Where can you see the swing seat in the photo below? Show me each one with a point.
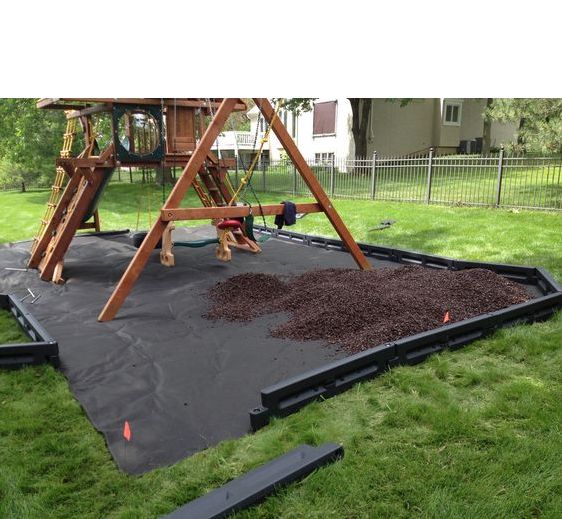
(194, 244)
(139, 237)
(229, 224)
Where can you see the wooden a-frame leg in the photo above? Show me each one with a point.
(312, 182)
(138, 262)
(97, 225)
(166, 254)
(223, 251)
(57, 273)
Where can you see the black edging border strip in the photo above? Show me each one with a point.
(290, 395)
(256, 485)
(42, 348)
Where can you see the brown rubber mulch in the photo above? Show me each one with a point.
(358, 310)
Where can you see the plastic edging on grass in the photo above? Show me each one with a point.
(256, 485)
(290, 395)
(42, 348)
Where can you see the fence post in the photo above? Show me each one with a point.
(429, 175)
(332, 178)
(500, 177)
(294, 180)
(373, 174)
(236, 170)
(263, 175)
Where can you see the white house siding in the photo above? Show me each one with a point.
(341, 144)
(472, 122)
(399, 130)
(394, 130)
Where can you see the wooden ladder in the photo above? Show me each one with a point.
(58, 183)
(66, 219)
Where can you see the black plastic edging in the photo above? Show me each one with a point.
(41, 350)
(290, 395)
(520, 273)
(256, 485)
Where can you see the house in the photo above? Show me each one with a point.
(449, 125)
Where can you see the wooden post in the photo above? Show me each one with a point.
(189, 173)
(312, 182)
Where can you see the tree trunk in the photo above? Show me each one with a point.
(520, 141)
(360, 109)
(487, 130)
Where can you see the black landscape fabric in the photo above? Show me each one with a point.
(181, 381)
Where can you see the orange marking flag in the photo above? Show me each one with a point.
(127, 431)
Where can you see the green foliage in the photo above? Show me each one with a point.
(30, 139)
(540, 122)
(298, 105)
(239, 121)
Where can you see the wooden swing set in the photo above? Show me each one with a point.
(164, 133)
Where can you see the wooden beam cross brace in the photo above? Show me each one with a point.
(171, 209)
(189, 173)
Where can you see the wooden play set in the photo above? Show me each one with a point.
(162, 133)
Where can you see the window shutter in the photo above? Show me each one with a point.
(324, 118)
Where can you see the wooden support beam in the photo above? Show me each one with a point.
(92, 162)
(189, 173)
(53, 103)
(104, 107)
(66, 102)
(312, 182)
(45, 238)
(209, 213)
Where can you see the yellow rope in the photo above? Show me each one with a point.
(247, 177)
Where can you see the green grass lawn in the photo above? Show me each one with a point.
(10, 332)
(474, 433)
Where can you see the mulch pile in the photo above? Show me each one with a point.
(358, 310)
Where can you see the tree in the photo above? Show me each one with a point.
(29, 139)
(539, 119)
(239, 121)
(487, 128)
(361, 110)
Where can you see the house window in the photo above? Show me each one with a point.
(324, 118)
(452, 112)
(323, 159)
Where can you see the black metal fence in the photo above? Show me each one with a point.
(497, 180)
